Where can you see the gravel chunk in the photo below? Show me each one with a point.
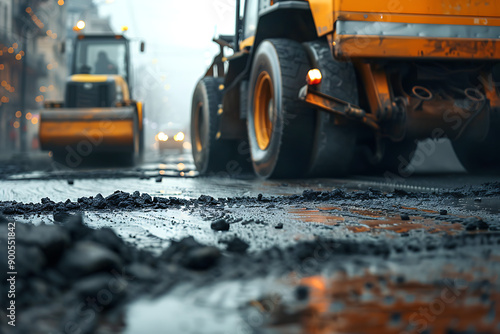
(88, 257)
(220, 225)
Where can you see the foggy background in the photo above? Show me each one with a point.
(34, 67)
(179, 49)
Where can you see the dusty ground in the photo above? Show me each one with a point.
(156, 249)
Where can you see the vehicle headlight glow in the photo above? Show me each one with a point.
(179, 136)
(162, 136)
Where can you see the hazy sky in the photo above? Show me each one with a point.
(179, 47)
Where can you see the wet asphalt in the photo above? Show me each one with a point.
(365, 254)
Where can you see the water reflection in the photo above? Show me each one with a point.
(375, 221)
(385, 304)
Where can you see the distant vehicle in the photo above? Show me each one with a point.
(98, 114)
(172, 137)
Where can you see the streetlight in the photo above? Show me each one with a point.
(80, 25)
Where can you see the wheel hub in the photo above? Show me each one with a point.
(263, 110)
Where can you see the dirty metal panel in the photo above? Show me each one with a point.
(356, 46)
(322, 11)
(326, 12)
(416, 30)
(418, 19)
(422, 7)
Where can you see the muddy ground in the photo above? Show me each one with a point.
(148, 250)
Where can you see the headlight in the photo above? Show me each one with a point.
(161, 137)
(179, 136)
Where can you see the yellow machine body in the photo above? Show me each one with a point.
(459, 29)
(414, 69)
(107, 129)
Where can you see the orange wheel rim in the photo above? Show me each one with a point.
(263, 110)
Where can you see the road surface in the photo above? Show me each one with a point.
(155, 248)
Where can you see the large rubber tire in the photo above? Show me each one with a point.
(280, 129)
(335, 137)
(211, 154)
(395, 158)
(481, 156)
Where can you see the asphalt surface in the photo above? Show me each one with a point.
(157, 249)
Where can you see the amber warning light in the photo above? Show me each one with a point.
(314, 77)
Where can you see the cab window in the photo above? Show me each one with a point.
(101, 57)
(250, 18)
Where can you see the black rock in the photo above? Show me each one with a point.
(471, 227)
(404, 216)
(482, 225)
(178, 248)
(51, 239)
(147, 198)
(117, 197)
(302, 292)
(201, 258)
(159, 179)
(61, 216)
(55, 278)
(495, 228)
(141, 272)
(220, 225)
(236, 245)
(473, 223)
(30, 260)
(99, 202)
(206, 199)
(443, 212)
(108, 238)
(86, 258)
(104, 287)
(75, 226)
(46, 200)
(71, 182)
(279, 226)
(39, 291)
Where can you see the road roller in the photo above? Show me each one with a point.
(98, 115)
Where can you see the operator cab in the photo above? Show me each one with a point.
(100, 72)
(102, 55)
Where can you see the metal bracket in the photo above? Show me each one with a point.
(336, 106)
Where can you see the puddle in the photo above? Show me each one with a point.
(445, 301)
(374, 221)
(490, 205)
(213, 309)
(397, 225)
(409, 307)
(316, 216)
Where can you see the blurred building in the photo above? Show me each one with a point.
(29, 37)
(87, 10)
(7, 75)
(35, 44)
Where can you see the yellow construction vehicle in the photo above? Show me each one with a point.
(98, 114)
(328, 87)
